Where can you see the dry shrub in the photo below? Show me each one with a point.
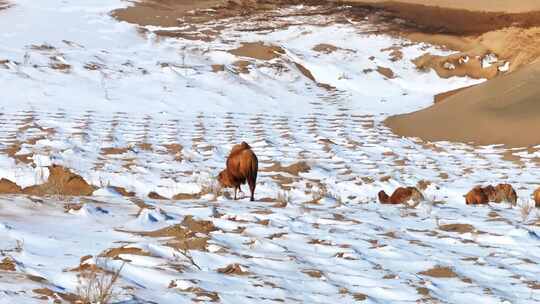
(97, 285)
(525, 209)
(211, 186)
(283, 197)
(318, 194)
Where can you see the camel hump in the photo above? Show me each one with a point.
(245, 145)
(236, 149)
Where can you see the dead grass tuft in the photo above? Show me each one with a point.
(211, 186)
(283, 199)
(97, 286)
(7, 264)
(525, 210)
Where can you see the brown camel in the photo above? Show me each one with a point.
(401, 195)
(242, 166)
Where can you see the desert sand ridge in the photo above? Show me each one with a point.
(506, 6)
(500, 111)
(503, 110)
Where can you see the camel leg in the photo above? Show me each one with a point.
(235, 189)
(251, 183)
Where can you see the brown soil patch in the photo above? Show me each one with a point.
(57, 297)
(305, 72)
(258, 50)
(422, 291)
(161, 12)
(359, 296)
(72, 207)
(325, 48)
(156, 196)
(12, 151)
(175, 150)
(113, 151)
(203, 294)
(395, 53)
(186, 196)
(439, 272)
(9, 187)
(7, 264)
(241, 66)
(386, 72)
(171, 13)
(184, 235)
(503, 110)
(314, 273)
(518, 46)
(216, 68)
(449, 66)
(145, 146)
(114, 253)
(61, 181)
(122, 191)
(294, 169)
(141, 204)
(62, 67)
(459, 228)
(235, 269)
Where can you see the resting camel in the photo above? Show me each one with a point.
(482, 195)
(401, 195)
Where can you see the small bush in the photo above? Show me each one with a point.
(97, 285)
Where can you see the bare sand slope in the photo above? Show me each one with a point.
(460, 16)
(161, 12)
(507, 6)
(503, 110)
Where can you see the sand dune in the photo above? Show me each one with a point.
(460, 17)
(503, 110)
(506, 6)
(500, 111)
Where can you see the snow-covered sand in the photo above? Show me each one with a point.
(146, 113)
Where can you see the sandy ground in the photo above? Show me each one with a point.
(503, 110)
(169, 13)
(472, 5)
(162, 12)
(496, 40)
(517, 45)
(435, 19)
(154, 120)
